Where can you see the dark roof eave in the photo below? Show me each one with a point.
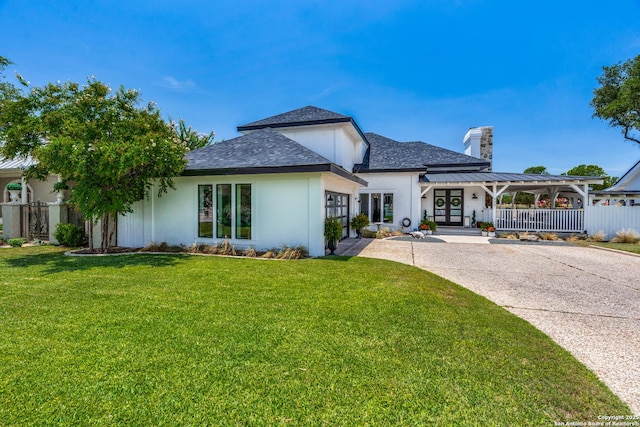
(421, 170)
(457, 165)
(330, 167)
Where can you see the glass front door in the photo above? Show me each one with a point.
(448, 206)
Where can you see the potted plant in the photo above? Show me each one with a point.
(332, 233)
(425, 228)
(473, 218)
(491, 231)
(14, 189)
(484, 226)
(359, 222)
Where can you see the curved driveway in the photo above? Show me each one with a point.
(585, 299)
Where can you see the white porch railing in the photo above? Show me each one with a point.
(556, 220)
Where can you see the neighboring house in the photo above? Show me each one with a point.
(625, 192)
(275, 185)
(32, 190)
(616, 208)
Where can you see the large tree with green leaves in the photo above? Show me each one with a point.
(112, 151)
(537, 170)
(618, 97)
(192, 138)
(593, 170)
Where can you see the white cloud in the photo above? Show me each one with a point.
(173, 83)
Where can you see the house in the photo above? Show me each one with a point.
(276, 183)
(11, 171)
(625, 192)
(615, 208)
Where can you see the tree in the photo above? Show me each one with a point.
(618, 97)
(112, 151)
(537, 170)
(593, 170)
(191, 138)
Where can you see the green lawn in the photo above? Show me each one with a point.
(627, 247)
(193, 340)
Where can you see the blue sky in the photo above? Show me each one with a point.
(407, 69)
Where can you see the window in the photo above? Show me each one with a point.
(223, 211)
(205, 210)
(337, 206)
(232, 210)
(377, 206)
(243, 211)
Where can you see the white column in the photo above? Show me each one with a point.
(24, 194)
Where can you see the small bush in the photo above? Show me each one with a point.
(597, 237)
(16, 242)
(626, 236)
(162, 247)
(70, 235)
(250, 253)
(370, 234)
(359, 222)
(548, 236)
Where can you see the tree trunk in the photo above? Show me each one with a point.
(91, 235)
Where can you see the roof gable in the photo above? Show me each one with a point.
(301, 117)
(629, 181)
(260, 149)
(386, 154)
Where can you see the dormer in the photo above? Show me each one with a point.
(334, 136)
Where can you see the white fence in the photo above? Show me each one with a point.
(556, 220)
(610, 219)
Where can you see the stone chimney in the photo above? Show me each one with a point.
(478, 142)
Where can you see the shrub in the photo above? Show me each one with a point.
(597, 237)
(370, 234)
(332, 229)
(359, 222)
(548, 236)
(70, 235)
(16, 242)
(14, 186)
(626, 236)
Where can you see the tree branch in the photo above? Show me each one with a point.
(628, 137)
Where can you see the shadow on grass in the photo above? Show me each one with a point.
(52, 262)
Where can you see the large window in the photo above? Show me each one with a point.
(223, 211)
(232, 211)
(377, 206)
(205, 210)
(243, 211)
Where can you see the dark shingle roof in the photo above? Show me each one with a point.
(386, 154)
(302, 116)
(263, 148)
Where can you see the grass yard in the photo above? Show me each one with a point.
(627, 247)
(193, 340)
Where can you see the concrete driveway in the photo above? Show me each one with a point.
(585, 299)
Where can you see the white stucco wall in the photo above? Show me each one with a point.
(406, 194)
(287, 209)
(334, 141)
(408, 202)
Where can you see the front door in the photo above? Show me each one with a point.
(447, 206)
